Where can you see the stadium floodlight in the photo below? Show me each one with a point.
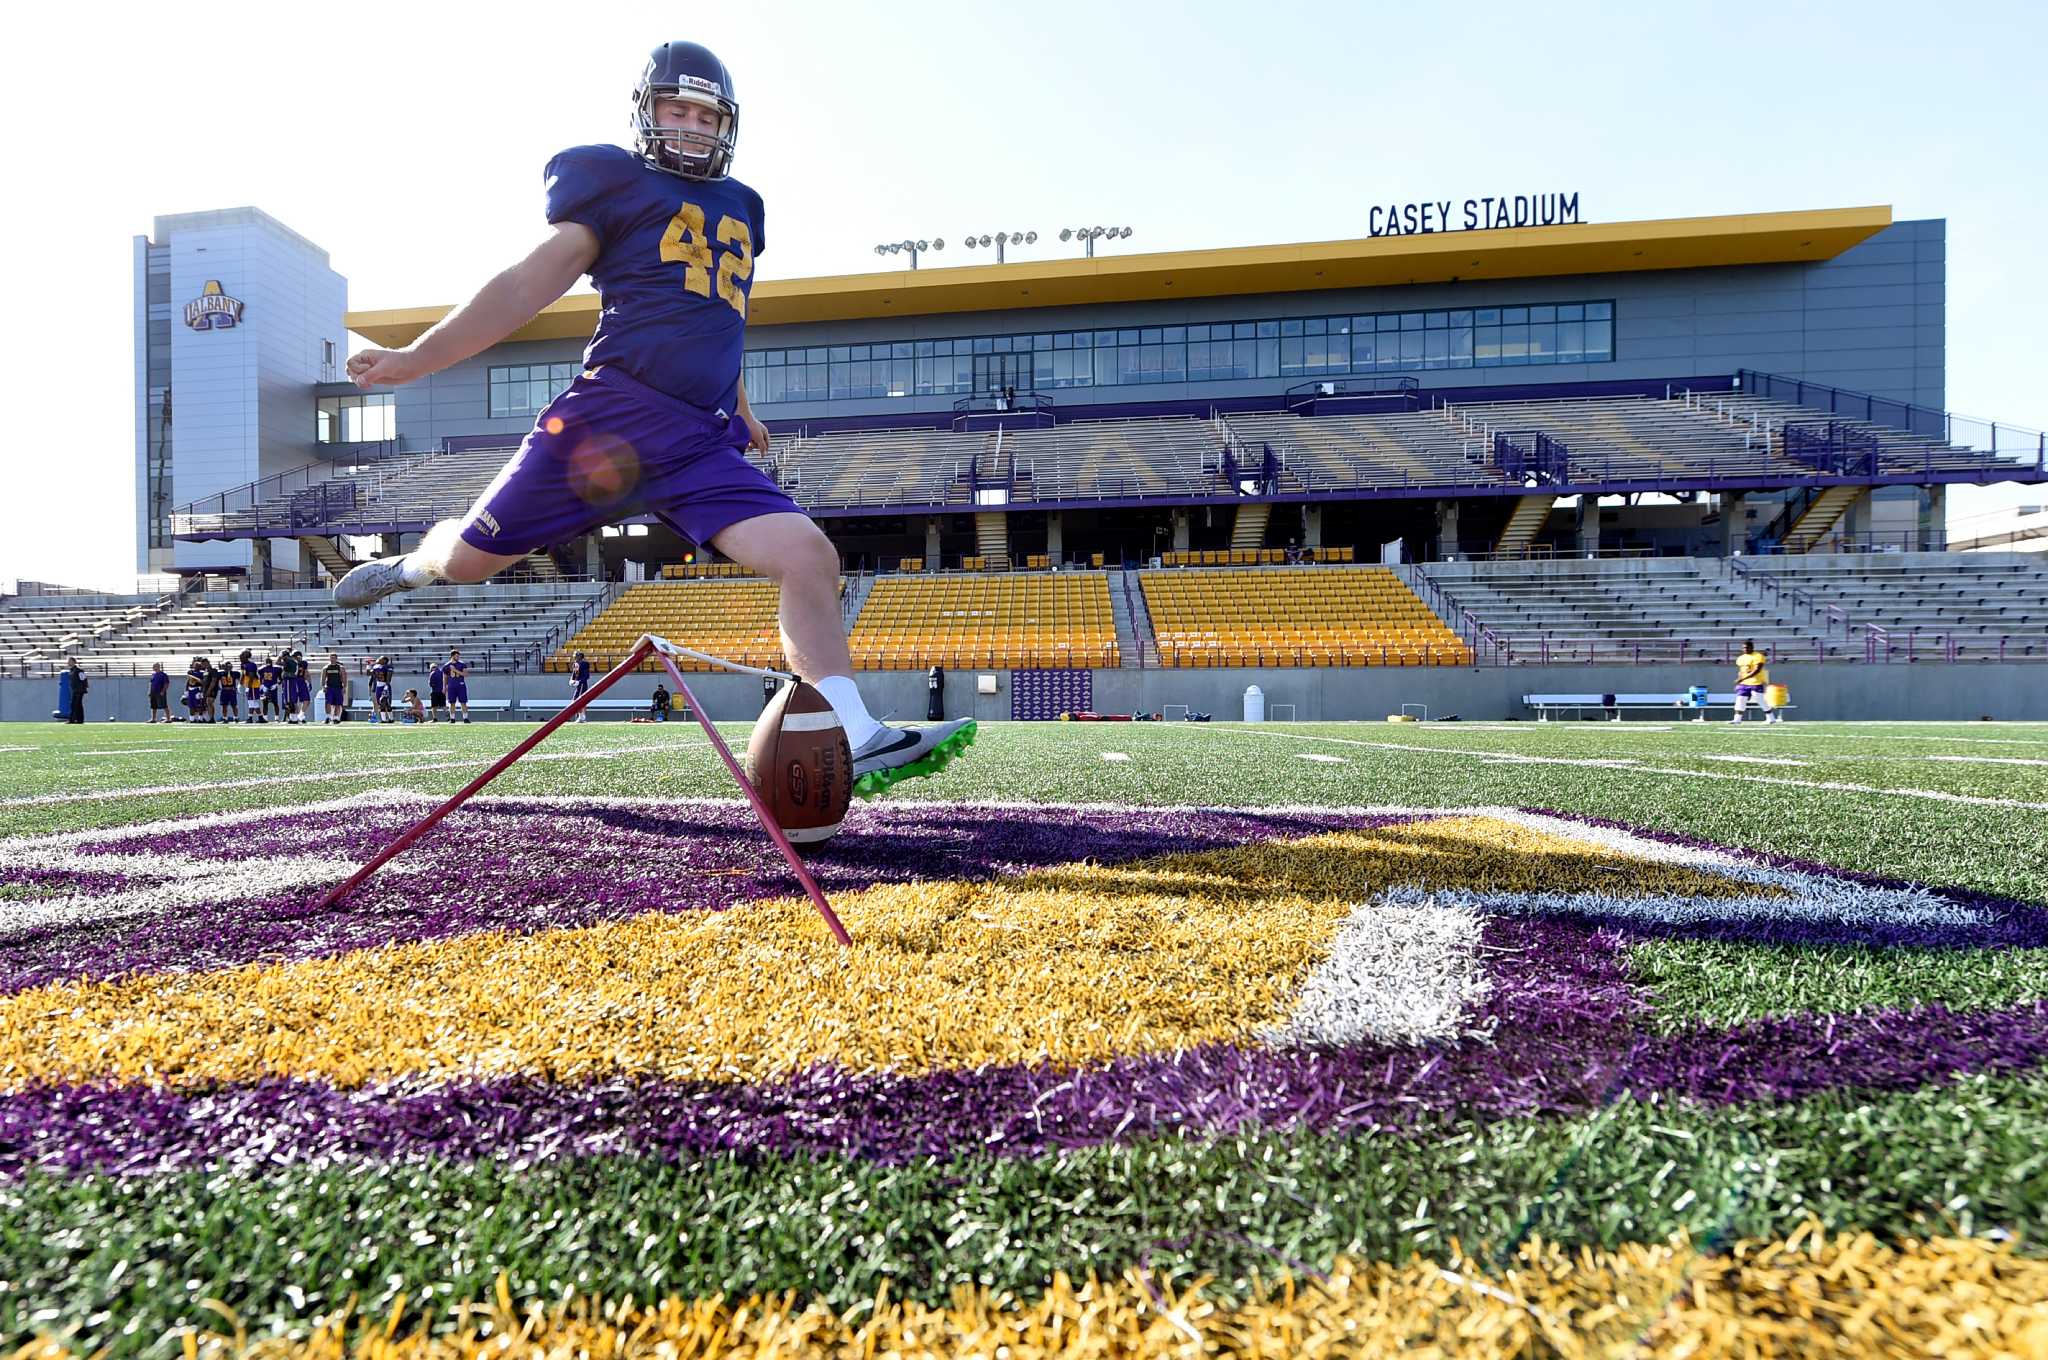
(1089, 235)
(914, 247)
(1001, 240)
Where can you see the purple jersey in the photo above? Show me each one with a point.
(675, 262)
(159, 682)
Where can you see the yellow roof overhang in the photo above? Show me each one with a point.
(1374, 262)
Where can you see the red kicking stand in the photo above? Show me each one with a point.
(667, 651)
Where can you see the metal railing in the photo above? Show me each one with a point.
(1958, 431)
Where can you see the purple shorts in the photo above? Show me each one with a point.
(610, 448)
(1749, 691)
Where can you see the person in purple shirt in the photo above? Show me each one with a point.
(455, 679)
(230, 691)
(581, 675)
(159, 693)
(659, 421)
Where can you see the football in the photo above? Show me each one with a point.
(801, 765)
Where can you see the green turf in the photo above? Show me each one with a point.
(1720, 982)
(1956, 1158)
(1672, 783)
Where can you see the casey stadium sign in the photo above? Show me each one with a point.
(1474, 214)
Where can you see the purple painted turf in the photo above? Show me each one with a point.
(1566, 1026)
(508, 873)
(1567, 1039)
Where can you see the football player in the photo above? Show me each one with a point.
(659, 421)
(1753, 683)
(455, 678)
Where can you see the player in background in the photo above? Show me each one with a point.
(194, 697)
(251, 687)
(581, 683)
(659, 421)
(437, 688)
(455, 678)
(1753, 682)
(230, 689)
(288, 671)
(334, 687)
(159, 693)
(381, 679)
(270, 675)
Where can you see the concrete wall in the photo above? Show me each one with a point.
(1833, 691)
(1871, 320)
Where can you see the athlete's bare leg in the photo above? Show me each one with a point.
(794, 553)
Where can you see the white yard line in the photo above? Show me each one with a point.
(269, 751)
(1987, 760)
(1396, 974)
(20, 748)
(128, 751)
(1505, 758)
(1115, 755)
(1756, 760)
(326, 776)
(1320, 758)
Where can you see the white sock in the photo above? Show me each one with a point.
(416, 573)
(844, 696)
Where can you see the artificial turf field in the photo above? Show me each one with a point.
(1156, 1039)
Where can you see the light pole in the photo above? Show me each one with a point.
(916, 248)
(1089, 234)
(1001, 239)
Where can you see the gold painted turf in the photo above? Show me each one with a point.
(1071, 965)
(1809, 1295)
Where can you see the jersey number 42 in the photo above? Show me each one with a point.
(685, 243)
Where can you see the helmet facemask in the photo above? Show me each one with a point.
(687, 154)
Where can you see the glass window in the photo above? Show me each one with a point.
(1269, 355)
(1391, 321)
(1148, 336)
(942, 347)
(924, 349)
(1269, 330)
(1542, 340)
(1063, 341)
(1290, 328)
(1435, 321)
(1599, 338)
(1002, 345)
(1198, 332)
(1571, 340)
(1572, 312)
(1487, 316)
(1105, 366)
(1243, 360)
(1542, 314)
(1105, 338)
(1463, 318)
(1173, 335)
(840, 354)
(1173, 367)
(1290, 356)
(1436, 352)
(1486, 346)
(1315, 325)
(1599, 311)
(1084, 339)
(1513, 316)
(1461, 345)
(984, 345)
(1411, 321)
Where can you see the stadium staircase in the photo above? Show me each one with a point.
(1127, 612)
(327, 552)
(1249, 528)
(1527, 520)
(992, 539)
(856, 595)
(1820, 516)
(540, 565)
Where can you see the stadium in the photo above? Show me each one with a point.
(1467, 981)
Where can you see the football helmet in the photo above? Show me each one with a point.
(686, 70)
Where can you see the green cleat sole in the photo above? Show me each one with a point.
(877, 782)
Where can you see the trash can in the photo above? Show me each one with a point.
(1254, 704)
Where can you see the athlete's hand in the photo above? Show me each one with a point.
(382, 368)
(757, 433)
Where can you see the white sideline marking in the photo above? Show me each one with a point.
(1989, 760)
(127, 751)
(1766, 760)
(1114, 755)
(270, 751)
(187, 883)
(1806, 733)
(20, 748)
(1320, 758)
(323, 776)
(1495, 757)
(410, 755)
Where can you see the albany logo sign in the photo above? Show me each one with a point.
(213, 310)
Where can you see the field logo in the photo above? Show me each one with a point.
(212, 309)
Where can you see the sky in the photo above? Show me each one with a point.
(408, 142)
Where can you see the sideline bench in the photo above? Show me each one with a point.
(499, 706)
(1559, 704)
(612, 705)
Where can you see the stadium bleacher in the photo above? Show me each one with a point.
(1287, 616)
(735, 619)
(40, 632)
(1056, 620)
(1804, 608)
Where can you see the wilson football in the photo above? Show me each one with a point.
(800, 763)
